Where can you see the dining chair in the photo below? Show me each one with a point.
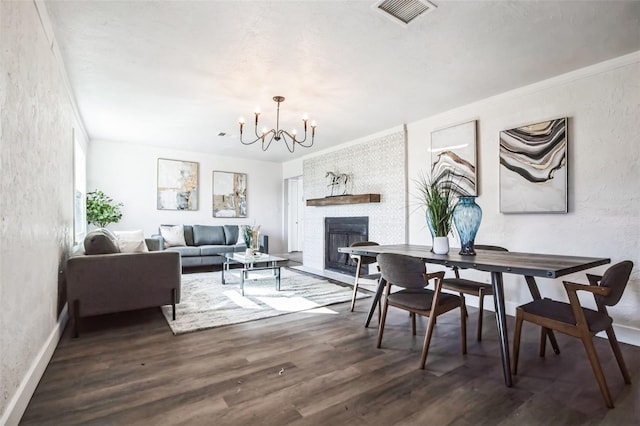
(475, 288)
(363, 261)
(410, 274)
(574, 320)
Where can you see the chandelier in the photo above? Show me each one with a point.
(267, 136)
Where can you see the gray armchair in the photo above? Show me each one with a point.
(117, 282)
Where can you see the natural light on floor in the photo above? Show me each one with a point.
(294, 304)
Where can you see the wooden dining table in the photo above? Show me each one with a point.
(529, 265)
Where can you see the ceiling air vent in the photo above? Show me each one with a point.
(404, 11)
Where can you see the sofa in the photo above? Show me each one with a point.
(101, 279)
(200, 245)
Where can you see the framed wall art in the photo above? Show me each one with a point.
(229, 194)
(177, 185)
(533, 168)
(453, 157)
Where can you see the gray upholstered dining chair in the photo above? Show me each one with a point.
(475, 288)
(574, 320)
(411, 275)
(360, 262)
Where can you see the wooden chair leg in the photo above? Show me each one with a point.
(381, 325)
(597, 369)
(427, 339)
(413, 323)
(464, 303)
(613, 341)
(481, 312)
(543, 342)
(355, 284)
(463, 328)
(516, 343)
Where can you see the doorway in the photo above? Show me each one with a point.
(295, 215)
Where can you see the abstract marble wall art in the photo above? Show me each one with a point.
(453, 157)
(177, 185)
(533, 168)
(229, 194)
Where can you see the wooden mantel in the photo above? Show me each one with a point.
(344, 199)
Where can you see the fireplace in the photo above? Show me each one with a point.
(342, 232)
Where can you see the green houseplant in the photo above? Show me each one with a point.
(102, 210)
(439, 202)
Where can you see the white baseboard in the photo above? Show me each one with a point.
(20, 400)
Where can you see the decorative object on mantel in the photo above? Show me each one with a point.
(533, 168)
(337, 180)
(344, 199)
(289, 138)
(467, 217)
(438, 199)
(229, 194)
(453, 153)
(177, 185)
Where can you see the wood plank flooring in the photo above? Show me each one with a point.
(320, 369)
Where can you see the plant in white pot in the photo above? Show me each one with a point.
(439, 202)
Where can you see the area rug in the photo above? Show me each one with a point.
(206, 303)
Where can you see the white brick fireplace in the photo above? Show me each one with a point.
(375, 166)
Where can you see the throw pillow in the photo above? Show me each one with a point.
(101, 241)
(173, 235)
(208, 235)
(131, 241)
(231, 234)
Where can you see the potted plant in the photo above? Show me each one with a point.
(439, 201)
(101, 209)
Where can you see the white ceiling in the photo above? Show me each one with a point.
(175, 74)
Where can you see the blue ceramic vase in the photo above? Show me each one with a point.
(467, 217)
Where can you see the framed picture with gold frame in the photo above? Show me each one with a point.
(177, 185)
(229, 194)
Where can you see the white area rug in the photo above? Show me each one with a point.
(206, 303)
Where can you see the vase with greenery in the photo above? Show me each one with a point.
(251, 236)
(102, 210)
(439, 202)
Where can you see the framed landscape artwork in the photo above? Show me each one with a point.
(453, 157)
(533, 168)
(177, 185)
(229, 194)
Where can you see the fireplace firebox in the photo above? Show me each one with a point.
(342, 232)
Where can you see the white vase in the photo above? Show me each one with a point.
(441, 245)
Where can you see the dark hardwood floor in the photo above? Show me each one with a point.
(320, 369)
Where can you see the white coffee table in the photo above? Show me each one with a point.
(249, 269)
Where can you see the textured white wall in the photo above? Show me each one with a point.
(603, 106)
(37, 197)
(376, 166)
(128, 174)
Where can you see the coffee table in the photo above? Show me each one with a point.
(249, 269)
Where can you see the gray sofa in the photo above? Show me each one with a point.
(100, 280)
(207, 244)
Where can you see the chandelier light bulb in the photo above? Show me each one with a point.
(241, 120)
